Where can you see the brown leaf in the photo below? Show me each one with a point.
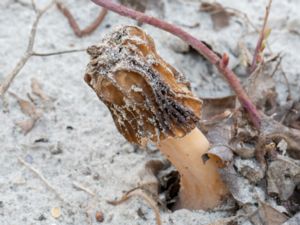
(142, 6)
(268, 215)
(26, 125)
(37, 90)
(214, 107)
(222, 154)
(283, 175)
(27, 107)
(219, 15)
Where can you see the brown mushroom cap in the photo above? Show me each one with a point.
(149, 100)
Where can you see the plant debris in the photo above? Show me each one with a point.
(30, 110)
(145, 196)
(219, 15)
(268, 215)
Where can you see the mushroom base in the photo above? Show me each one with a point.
(201, 186)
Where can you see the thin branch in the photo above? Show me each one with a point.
(74, 25)
(34, 5)
(46, 182)
(83, 188)
(262, 37)
(11, 76)
(58, 52)
(211, 56)
(143, 195)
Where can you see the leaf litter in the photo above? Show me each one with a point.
(219, 15)
(251, 161)
(260, 167)
(30, 109)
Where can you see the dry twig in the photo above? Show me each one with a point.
(28, 53)
(262, 36)
(58, 52)
(38, 173)
(211, 56)
(83, 188)
(140, 193)
(74, 25)
(4, 85)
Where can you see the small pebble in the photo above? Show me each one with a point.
(99, 216)
(55, 212)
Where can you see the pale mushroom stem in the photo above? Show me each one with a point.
(201, 185)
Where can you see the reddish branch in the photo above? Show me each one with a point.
(74, 25)
(229, 75)
(262, 36)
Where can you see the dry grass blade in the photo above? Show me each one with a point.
(140, 193)
(46, 182)
(83, 188)
(261, 40)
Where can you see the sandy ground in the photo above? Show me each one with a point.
(91, 151)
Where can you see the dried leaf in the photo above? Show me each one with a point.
(268, 215)
(244, 55)
(249, 169)
(37, 90)
(243, 149)
(27, 107)
(26, 125)
(238, 186)
(283, 175)
(219, 15)
(221, 154)
(213, 107)
(148, 176)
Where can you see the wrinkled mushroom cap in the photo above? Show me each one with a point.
(149, 100)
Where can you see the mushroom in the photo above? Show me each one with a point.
(150, 101)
